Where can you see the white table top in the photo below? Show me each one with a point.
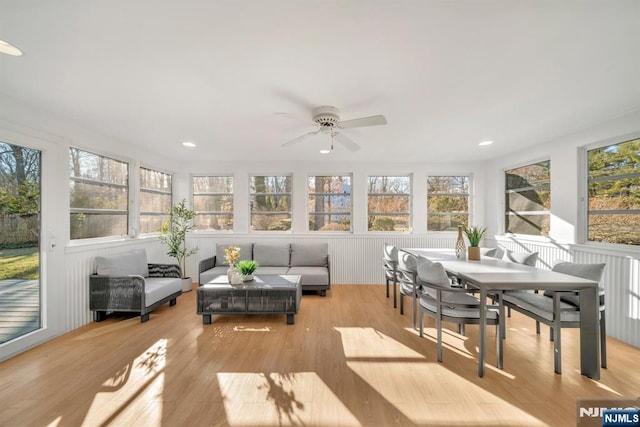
(496, 274)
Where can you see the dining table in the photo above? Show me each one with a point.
(491, 276)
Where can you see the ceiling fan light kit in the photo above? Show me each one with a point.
(327, 118)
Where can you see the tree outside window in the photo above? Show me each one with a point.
(270, 203)
(329, 203)
(614, 193)
(213, 200)
(447, 202)
(389, 203)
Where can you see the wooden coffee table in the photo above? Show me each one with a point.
(263, 295)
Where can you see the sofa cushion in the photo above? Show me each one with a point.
(212, 273)
(246, 252)
(271, 270)
(311, 276)
(272, 254)
(157, 288)
(309, 254)
(123, 264)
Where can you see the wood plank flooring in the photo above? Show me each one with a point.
(350, 360)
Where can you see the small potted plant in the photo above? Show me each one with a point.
(246, 269)
(173, 233)
(474, 235)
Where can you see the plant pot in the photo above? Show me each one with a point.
(474, 253)
(246, 277)
(187, 284)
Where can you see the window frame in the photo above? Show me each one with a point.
(467, 195)
(129, 186)
(154, 191)
(409, 195)
(290, 193)
(506, 191)
(215, 213)
(309, 212)
(584, 181)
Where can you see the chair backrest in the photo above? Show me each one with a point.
(435, 274)
(407, 261)
(529, 259)
(586, 271)
(390, 253)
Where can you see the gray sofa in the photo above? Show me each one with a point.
(309, 260)
(126, 282)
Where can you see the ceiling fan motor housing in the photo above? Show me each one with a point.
(326, 116)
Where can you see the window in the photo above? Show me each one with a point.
(329, 203)
(213, 200)
(271, 203)
(155, 199)
(389, 203)
(447, 202)
(99, 195)
(528, 199)
(614, 193)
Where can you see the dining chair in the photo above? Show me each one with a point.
(407, 279)
(441, 300)
(525, 258)
(390, 268)
(561, 309)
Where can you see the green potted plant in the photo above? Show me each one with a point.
(474, 235)
(246, 269)
(173, 233)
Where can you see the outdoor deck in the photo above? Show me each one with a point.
(19, 308)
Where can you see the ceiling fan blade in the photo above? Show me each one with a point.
(363, 121)
(300, 138)
(346, 141)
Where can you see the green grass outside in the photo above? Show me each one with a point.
(20, 263)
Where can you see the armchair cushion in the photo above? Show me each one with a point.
(132, 263)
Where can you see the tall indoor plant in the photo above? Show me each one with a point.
(474, 235)
(173, 233)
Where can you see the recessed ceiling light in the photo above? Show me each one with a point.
(189, 144)
(486, 143)
(325, 151)
(9, 49)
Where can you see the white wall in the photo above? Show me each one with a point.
(568, 207)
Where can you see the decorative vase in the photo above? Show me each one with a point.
(246, 277)
(460, 252)
(230, 272)
(474, 253)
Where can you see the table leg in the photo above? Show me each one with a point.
(206, 319)
(589, 333)
(483, 330)
(290, 319)
(500, 331)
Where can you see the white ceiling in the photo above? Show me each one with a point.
(239, 78)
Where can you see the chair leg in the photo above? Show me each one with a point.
(395, 291)
(557, 356)
(603, 341)
(421, 322)
(415, 306)
(499, 344)
(509, 311)
(503, 320)
(537, 327)
(439, 328)
(461, 329)
(387, 280)
(401, 303)
(550, 334)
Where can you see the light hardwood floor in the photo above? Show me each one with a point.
(350, 360)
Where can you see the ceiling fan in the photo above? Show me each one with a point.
(328, 120)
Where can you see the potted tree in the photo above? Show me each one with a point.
(173, 233)
(474, 235)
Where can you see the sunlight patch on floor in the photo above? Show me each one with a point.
(132, 392)
(299, 398)
(424, 391)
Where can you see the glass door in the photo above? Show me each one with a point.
(20, 287)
